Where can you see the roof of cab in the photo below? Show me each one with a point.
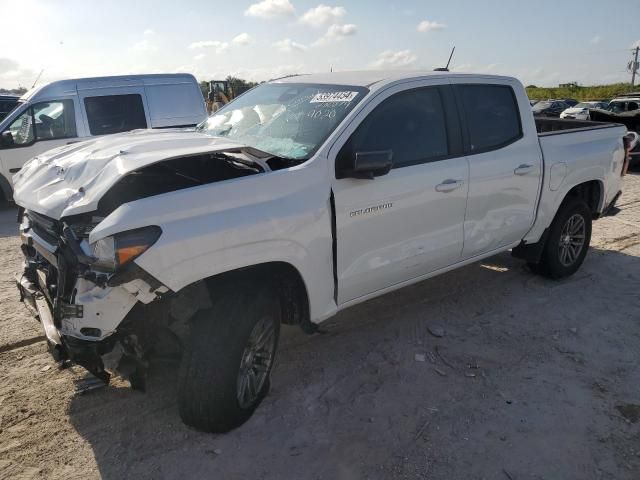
(71, 85)
(368, 78)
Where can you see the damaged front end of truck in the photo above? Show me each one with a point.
(97, 306)
(93, 313)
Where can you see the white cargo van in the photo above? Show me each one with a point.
(68, 111)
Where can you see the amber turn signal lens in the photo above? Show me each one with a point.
(129, 253)
(133, 243)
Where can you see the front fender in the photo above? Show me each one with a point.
(281, 216)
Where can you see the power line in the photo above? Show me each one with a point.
(633, 66)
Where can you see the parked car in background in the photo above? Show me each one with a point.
(624, 109)
(549, 108)
(628, 102)
(581, 110)
(300, 198)
(68, 111)
(7, 103)
(569, 101)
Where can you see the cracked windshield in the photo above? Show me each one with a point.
(286, 120)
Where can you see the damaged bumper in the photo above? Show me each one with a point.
(83, 312)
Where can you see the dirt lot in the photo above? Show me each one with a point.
(533, 379)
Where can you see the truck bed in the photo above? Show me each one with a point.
(554, 126)
(574, 152)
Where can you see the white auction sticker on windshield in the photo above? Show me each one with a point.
(328, 97)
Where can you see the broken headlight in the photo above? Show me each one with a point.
(117, 250)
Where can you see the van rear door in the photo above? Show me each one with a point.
(178, 104)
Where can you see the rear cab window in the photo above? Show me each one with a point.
(115, 113)
(491, 115)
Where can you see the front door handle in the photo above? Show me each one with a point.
(449, 185)
(523, 169)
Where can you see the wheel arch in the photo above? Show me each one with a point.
(592, 192)
(285, 278)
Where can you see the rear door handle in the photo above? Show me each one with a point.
(449, 185)
(523, 169)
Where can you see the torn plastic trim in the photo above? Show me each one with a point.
(131, 272)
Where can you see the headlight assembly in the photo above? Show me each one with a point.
(117, 250)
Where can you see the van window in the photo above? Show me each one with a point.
(115, 113)
(492, 116)
(174, 104)
(411, 124)
(44, 121)
(54, 120)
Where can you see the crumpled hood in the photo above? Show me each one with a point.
(71, 179)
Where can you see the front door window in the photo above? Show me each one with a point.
(44, 121)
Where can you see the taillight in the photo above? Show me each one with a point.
(630, 140)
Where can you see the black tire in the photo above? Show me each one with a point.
(553, 264)
(211, 364)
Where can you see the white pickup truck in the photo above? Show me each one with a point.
(302, 197)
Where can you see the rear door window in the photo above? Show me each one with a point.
(492, 116)
(115, 113)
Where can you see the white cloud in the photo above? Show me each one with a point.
(336, 33)
(288, 45)
(148, 31)
(322, 15)
(242, 39)
(144, 46)
(217, 45)
(270, 9)
(429, 26)
(200, 56)
(8, 65)
(596, 40)
(12, 74)
(389, 58)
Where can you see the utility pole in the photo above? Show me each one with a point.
(634, 67)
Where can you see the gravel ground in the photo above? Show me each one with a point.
(533, 379)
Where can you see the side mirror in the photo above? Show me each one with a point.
(6, 139)
(366, 165)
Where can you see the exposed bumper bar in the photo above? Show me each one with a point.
(35, 301)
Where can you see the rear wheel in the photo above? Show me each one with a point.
(226, 368)
(568, 240)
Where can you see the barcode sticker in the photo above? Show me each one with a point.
(328, 97)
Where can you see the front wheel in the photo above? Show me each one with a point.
(226, 367)
(568, 240)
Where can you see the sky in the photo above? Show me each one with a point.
(541, 42)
